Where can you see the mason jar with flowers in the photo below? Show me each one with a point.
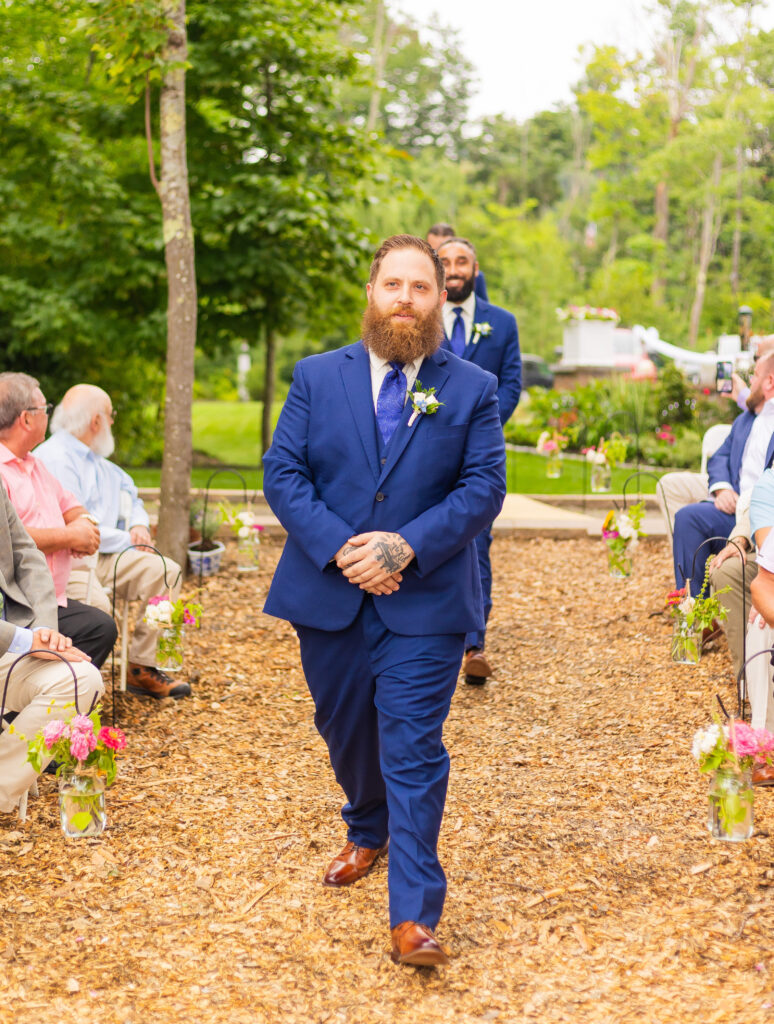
(621, 532)
(728, 753)
(691, 617)
(170, 618)
(85, 752)
(551, 444)
(244, 525)
(604, 457)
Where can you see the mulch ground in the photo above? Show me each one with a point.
(583, 884)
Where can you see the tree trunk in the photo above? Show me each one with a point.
(736, 245)
(710, 227)
(268, 390)
(181, 285)
(379, 51)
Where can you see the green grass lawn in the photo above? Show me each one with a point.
(230, 432)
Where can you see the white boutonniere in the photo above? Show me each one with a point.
(423, 400)
(482, 330)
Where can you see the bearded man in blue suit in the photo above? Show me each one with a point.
(383, 483)
(486, 335)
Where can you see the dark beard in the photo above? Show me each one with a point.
(401, 343)
(458, 293)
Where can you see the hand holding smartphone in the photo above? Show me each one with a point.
(723, 383)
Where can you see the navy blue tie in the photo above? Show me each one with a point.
(457, 340)
(392, 398)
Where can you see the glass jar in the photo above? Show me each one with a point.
(686, 642)
(601, 478)
(169, 649)
(554, 465)
(248, 547)
(619, 563)
(81, 803)
(731, 805)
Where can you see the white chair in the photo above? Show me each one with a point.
(712, 440)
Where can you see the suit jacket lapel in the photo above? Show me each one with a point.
(356, 376)
(479, 314)
(433, 374)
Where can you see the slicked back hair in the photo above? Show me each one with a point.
(16, 391)
(459, 241)
(408, 242)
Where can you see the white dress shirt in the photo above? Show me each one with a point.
(754, 456)
(381, 367)
(468, 315)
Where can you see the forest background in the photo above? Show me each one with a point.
(315, 128)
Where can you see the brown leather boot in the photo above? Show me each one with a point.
(476, 667)
(416, 945)
(353, 863)
(147, 681)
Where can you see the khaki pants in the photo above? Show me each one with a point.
(735, 626)
(677, 490)
(760, 677)
(40, 691)
(140, 576)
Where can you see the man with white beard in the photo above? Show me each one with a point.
(77, 454)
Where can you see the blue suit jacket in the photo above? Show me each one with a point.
(480, 287)
(725, 465)
(442, 482)
(497, 352)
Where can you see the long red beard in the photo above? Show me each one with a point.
(401, 342)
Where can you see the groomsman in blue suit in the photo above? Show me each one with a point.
(486, 335)
(440, 233)
(735, 467)
(387, 461)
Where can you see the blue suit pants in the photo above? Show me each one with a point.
(693, 524)
(483, 542)
(380, 703)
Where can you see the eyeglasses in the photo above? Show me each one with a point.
(47, 408)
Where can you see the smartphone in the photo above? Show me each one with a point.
(723, 383)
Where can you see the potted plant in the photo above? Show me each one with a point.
(85, 752)
(204, 554)
(552, 443)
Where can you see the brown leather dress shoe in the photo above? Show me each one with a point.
(476, 667)
(147, 681)
(763, 775)
(353, 863)
(415, 944)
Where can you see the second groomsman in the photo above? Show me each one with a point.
(487, 335)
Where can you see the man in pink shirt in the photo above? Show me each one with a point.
(59, 525)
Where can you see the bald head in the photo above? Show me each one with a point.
(86, 412)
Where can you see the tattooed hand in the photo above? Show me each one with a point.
(373, 561)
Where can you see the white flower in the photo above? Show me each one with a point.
(598, 458)
(424, 401)
(625, 528)
(246, 519)
(159, 615)
(244, 531)
(482, 330)
(705, 740)
(686, 604)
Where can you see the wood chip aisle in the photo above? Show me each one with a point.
(583, 885)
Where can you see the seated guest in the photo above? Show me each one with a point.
(77, 453)
(40, 687)
(760, 632)
(735, 567)
(55, 519)
(735, 467)
(740, 391)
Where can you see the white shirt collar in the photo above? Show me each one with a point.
(468, 306)
(378, 364)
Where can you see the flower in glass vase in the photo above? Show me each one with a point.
(621, 532)
(692, 615)
(552, 443)
(169, 617)
(244, 524)
(604, 457)
(727, 753)
(85, 752)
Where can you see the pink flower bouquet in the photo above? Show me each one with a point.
(80, 744)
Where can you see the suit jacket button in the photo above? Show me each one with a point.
(379, 496)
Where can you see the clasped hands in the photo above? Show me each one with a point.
(58, 642)
(373, 561)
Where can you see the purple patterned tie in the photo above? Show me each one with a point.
(392, 398)
(457, 340)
